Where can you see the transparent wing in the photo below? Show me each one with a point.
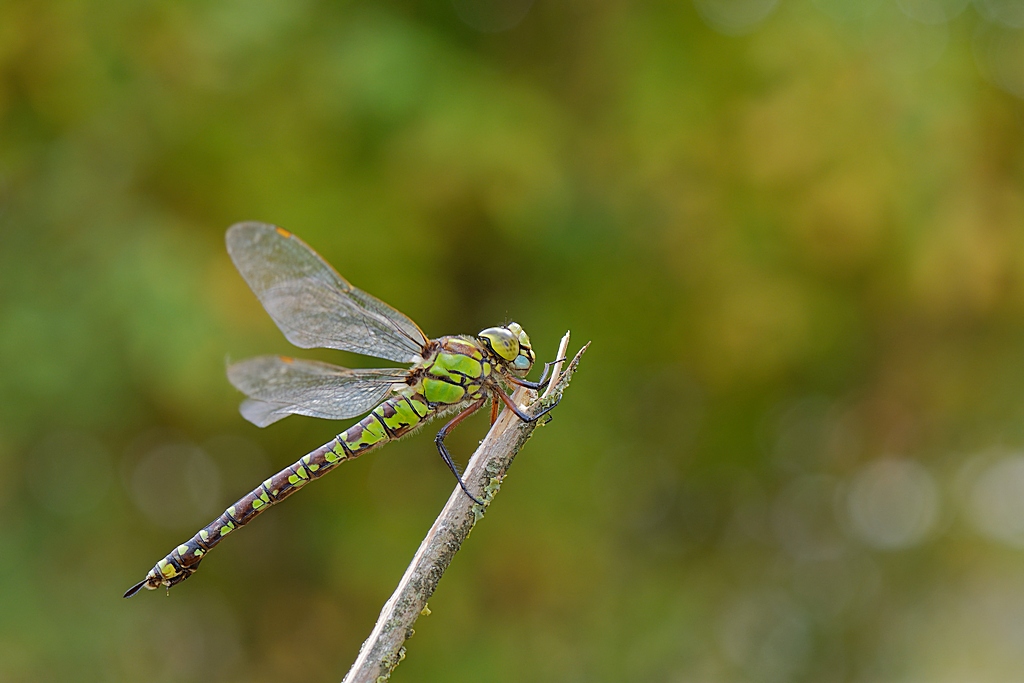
(312, 304)
(278, 386)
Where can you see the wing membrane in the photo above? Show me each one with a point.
(278, 386)
(312, 304)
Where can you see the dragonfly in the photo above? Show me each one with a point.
(317, 308)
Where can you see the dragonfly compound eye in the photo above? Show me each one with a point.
(517, 330)
(502, 341)
(526, 358)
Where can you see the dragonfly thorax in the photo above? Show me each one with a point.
(510, 345)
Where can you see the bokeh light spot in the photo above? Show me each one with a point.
(996, 500)
(893, 503)
(176, 485)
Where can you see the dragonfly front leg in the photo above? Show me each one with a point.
(519, 413)
(539, 383)
(439, 440)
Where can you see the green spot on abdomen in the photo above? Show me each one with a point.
(403, 417)
(363, 435)
(300, 477)
(336, 454)
(419, 407)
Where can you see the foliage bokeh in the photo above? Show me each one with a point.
(794, 232)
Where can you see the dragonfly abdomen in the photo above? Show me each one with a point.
(392, 419)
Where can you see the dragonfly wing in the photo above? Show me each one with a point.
(312, 304)
(278, 386)
(263, 413)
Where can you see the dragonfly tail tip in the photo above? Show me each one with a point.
(135, 589)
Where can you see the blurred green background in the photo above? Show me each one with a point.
(793, 229)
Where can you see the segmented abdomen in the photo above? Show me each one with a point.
(392, 419)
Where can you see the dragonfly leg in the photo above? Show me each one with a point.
(439, 440)
(519, 413)
(539, 383)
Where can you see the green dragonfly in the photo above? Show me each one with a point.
(317, 308)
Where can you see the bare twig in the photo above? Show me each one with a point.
(556, 371)
(384, 648)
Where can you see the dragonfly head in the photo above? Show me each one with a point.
(511, 345)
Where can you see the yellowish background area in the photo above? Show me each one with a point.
(793, 230)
